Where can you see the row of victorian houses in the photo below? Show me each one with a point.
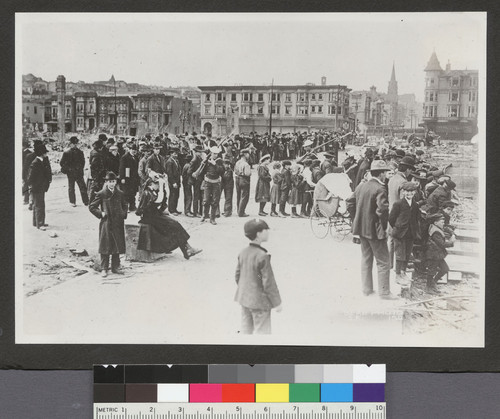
(110, 108)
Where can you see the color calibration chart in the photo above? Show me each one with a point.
(231, 391)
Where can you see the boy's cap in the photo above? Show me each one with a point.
(408, 186)
(254, 226)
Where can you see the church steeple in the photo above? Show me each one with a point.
(392, 90)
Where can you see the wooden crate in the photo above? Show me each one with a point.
(131, 240)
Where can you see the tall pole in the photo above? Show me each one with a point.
(116, 112)
(271, 110)
(337, 109)
(61, 104)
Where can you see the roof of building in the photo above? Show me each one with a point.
(433, 64)
(452, 73)
(276, 87)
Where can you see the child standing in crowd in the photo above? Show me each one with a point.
(228, 187)
(285, 187)
(403, 219)
(186, 187)
(435, 252)
(257, 291)
(297, 191)
(275, 188)
(263, 188)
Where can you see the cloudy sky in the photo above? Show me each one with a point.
(357, 50)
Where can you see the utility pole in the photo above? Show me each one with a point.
(116, 112)
(271, 110)
(61, 105)
(337, 110)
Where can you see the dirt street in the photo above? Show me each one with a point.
(64, 300)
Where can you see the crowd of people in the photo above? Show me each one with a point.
(400, 205)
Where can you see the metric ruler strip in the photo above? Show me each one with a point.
(240, 410)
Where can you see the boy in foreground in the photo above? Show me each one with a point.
(257, 291)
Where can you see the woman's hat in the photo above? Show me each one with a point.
(264, 158)
(198, 148)
(40, 150)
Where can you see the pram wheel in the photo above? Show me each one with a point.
(320, 223)
(340, 227)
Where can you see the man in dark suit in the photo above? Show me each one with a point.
(97, 168)
(173, 169)
(113, 157)
(364, 166)
(72, 164)
(26, 152)
(195, 182)
(403, 219)
(156, 162)
(129, 175)
(39, 178)
(110, 207)
(370, 224)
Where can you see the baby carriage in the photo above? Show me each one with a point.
(330, 216)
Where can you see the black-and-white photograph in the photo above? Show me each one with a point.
(251, 179)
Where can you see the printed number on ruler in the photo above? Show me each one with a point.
(239, 411)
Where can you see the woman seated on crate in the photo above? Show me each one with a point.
(163, 234)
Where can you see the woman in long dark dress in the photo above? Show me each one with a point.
(165, 234)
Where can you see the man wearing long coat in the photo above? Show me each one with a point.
(370, 224)
(173, 169)
(129, 175)
(39, 179)
(110, 206)
(72, 164)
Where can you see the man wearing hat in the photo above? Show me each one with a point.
(129, 175)
(212, 176)
(196, 181)
(440, 195)
(147, 151)
(97, 168)
(113, 160)
(364, 166)
(156, 161)
(327, 165)
(72, 164)
(39, 179)
(403, 218)
(173, 169)
(370, 224)
(405, 167)
(26, 152)
(436, 252)
(110, 207)
(242, 171)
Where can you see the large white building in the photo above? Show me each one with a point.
(243, 109)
